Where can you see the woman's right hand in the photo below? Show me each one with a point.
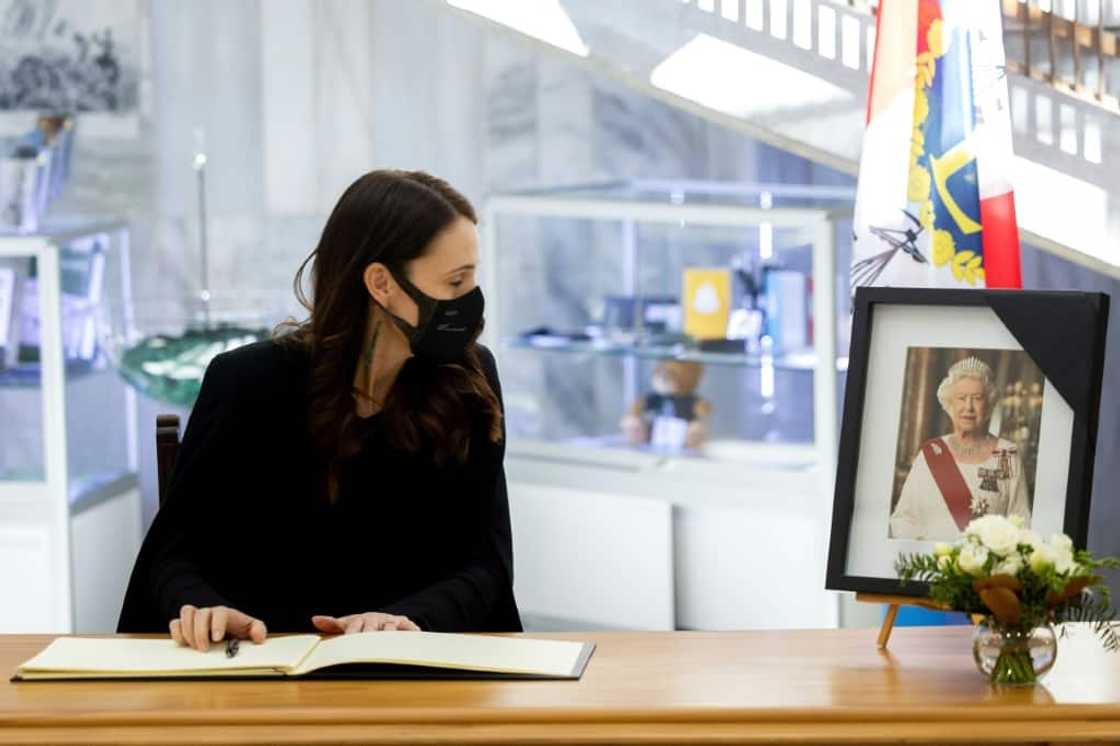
(197, 628)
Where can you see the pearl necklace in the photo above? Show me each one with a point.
(968, 451)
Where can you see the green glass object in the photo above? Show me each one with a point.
(169, 368)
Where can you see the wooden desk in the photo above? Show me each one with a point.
(684, 687)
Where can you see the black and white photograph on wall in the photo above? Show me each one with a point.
(967, 440)
(961, 404)
(69, 56)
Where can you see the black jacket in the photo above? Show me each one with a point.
(240, 526)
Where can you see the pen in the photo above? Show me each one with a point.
(231, 647)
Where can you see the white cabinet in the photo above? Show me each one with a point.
(105, 531)
(629, 541)
(757, 567)
(592, 558)
(69, 498)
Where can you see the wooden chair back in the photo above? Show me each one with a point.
(167, 449)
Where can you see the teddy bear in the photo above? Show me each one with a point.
(672, 415)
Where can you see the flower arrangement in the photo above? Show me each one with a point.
(1017, 582)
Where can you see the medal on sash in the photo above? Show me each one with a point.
(979, 505)
(1002, 472)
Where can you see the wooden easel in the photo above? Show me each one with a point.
(893, 602)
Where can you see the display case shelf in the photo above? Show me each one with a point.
(30, 375)
(612, 272)
(805, 360)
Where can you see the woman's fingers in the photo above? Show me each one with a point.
(186, 619)
(387, 622)
(218, 617)
(403, 623)
(257, 631)
(327, 624)
(194, 627)
(370, 621)
(197, 628)
(241, 625)
(202, 629)
(333, 625)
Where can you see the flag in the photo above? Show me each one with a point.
(934, 203)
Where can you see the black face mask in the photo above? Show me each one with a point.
(445, 327)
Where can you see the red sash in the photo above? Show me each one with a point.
(949, 480)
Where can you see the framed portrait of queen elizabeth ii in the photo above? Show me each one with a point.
(961, 404)
(967, 440)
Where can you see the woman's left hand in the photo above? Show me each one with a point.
(370, 621)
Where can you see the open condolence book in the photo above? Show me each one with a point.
(366, 655)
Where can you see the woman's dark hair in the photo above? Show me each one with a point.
(391, 217)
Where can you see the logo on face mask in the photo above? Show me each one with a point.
(442, 341)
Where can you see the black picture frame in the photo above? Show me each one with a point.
(1048, 325)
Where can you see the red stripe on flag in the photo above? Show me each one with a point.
(874, 60)
(1001, 242)
(928, 12)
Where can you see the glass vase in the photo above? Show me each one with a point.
(1014, 656)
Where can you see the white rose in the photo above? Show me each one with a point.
(972, 530)
(995, 532)
(941, 549)
(944, 561)
(1030, 538)
(1010, 566)
(1065, 564)
(1061, 543)
(1019, 521)
(1042, 557)
(1062, 546)
(972, 559)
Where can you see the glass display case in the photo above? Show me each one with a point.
(597, 293)
(668, 355)
(69, 497)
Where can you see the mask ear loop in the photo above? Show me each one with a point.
(425, 306)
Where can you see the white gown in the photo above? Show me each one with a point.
(922, 513)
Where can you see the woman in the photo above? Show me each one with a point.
(346, 475)
(966, 474)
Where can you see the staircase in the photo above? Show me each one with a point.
(1066, 132)
(794, 73)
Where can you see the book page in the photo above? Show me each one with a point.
(165, 656)
(445, 650)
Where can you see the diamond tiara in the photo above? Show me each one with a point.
(971, 366)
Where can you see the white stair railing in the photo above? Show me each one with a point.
(835, 42)
(832, 41)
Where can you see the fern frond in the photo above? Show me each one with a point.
(1100, 616)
